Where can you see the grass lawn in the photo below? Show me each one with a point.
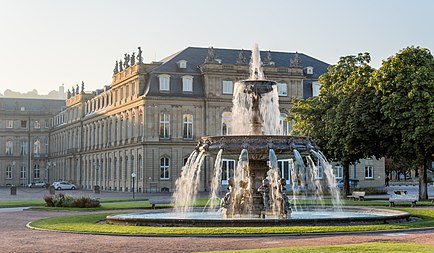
(89, 223)
(371, 247)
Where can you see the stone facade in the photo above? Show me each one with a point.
(148, 120)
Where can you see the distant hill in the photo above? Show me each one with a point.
(34, 94)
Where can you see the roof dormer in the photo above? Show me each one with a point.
(308, 70)
(182, 64)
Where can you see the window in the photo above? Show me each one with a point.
(228, 87)
(187, 126)
(228, 167)
(282, 89)
(339, 172)
(36, 171)
(182, 64)
(9, 172)
(127, 91)
(227, 123)
(9, 124)
(23, 172)
(187, 83)
(23, 123)
(164, 82)
(285, 169)
(23, 148)
(315, 88)
(46, 146)
(286, 126)
(320, 171)
(164, 126)
(9, 147)
(46, 123)
(309, 70)
(164, 168)
(37, 147)
(369, 172)
(37, 124)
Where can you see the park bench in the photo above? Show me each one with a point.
(357, 195)
(412, 198)
(155, 201)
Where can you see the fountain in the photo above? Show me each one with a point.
(256, 193)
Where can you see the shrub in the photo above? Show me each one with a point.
(60, 200)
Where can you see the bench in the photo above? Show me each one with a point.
(357, 195)
(412, 198)
(155, 201)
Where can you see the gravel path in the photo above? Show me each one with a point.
(16, 237)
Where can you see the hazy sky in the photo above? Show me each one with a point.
(46, 43)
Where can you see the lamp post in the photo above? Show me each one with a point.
(13, 168)
(133, 176)
(47, 172)
(96, 187)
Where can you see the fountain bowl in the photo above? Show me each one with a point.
(310, 216)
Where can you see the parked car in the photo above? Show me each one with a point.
(37, 184)
(64, 186)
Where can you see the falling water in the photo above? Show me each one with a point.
(188, 183)
(314, 181)
(215, 183)
(273, 176)
(241, 185)
(241, 110)
(294, 184)
(331, 179)
(270, 112)
(256, 72)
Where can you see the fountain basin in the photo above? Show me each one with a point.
(257, 145)
(310, 216)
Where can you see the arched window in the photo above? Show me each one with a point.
(227, 123)
(164, 168)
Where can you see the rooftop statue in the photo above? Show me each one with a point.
(82, 86)
(295, 61)
(241, 58)
(133, 59)
(120, 66)
(139, 55)
(126, 61)
(116, 70)
(210, 58)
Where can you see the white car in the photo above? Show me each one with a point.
(37, 184)
(64, 186)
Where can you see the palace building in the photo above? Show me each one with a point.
(139, 130)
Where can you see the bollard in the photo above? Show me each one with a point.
(96, 189)
(13, 190)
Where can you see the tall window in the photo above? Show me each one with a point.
(285, 169)
(23, 148)
(9, 124)
(23, 123)
(23, 172)
(164, 126)
(46, 145)
(46, 123)
(320, 172)
(315, 88)
(37, 147)
(339, 172)
(228, 87)
(9, 172)
(286, 125)
(164, 168)
(36, 171)
(228, 168)
(369, 172)
(164, 82)
(187, 126)
(187, 83)
(9, 147)
(282, 89)
(227, 123)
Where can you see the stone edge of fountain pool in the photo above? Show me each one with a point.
(393, 216)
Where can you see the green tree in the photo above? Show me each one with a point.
(405, 84)
(344, 119)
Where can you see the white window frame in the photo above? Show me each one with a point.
(182, 64)
(187, 126)
(164, 82)
(227, 165)
(164, 168)
(164, 126)
(23, 148)
(282, 89)
(286, 125)
(369, 172)
(228, 87)
(47, 123)
(339, 172)
(285, 164)
(187, 84)
(37, 124)
(37, 147)
(9, 147)
(36, 171)
(320, 169)
(9, 172)
(316, 86)
(23, 174)
(9, 124)
(227, 122)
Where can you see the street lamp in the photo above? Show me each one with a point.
(133, 175)
(96, 187)
(13, 168)
(47, 172)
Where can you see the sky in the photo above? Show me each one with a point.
(47, 43)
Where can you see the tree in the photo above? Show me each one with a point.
(344, 119)
(405, 85)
